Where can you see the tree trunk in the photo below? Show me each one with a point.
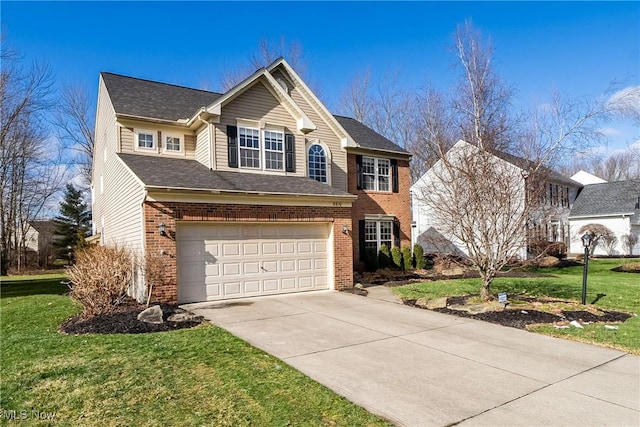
(487, 278)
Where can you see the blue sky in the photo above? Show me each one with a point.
(577, 48)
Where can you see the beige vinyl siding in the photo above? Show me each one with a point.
(203, 146)
(127, 139)
(106, 136)
(324, 133)
(257, 104)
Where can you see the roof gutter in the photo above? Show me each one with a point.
(180, 122)
(255, 193)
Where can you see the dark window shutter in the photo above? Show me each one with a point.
(289, 152)
(361, 241)
(232, 146)
(396, 233)
(359, 171)
(395, 185)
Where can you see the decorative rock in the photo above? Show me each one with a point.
(524, 312)
(152, 314)
(561, 326)
(612, 327)
(422, 302)
(184, 317)
(437, 303)
(359, 286)
(576, 324)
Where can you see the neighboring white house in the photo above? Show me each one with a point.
(615, 205)
(585, 178)
(553, 226)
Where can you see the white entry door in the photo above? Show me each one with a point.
(222, 261)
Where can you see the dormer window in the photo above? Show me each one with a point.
(173, 143)
(145, 140)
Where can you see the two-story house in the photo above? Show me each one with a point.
(259, 190)
(545, 197)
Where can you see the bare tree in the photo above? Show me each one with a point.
(28, 176)
(75, 121)
(266, 53)
(629, 241)
(478, 201)
(481, 101)
(383, 105)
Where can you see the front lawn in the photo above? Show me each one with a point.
(200, 376)
(622, 292)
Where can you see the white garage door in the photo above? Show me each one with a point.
(221, 261)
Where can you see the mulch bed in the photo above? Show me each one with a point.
(521, 318)
(124, 320)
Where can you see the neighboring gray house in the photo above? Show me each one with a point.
(615, 205)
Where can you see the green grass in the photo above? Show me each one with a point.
(17, 286)
(199, 376)
(622, 294)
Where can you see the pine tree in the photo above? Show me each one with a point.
(73, 223)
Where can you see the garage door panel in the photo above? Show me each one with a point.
(288, 266)
(304, 265)
(249, 249)
(251, 267)
(232, 289)
(252, 287)
(219, 261)
(270, 266)
(287, 247)
(212, 270)
(304, 247)
(270, 248)
(270, 285)
(230, 249)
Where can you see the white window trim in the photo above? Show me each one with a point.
(378, 221)
(262, 127)
(327, 153)
(172, 135)
(136, 145)
(259, 149)
(376, 175)
(264, 148)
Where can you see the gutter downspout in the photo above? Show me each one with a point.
(143, 240)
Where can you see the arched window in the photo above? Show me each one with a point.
(317, 161)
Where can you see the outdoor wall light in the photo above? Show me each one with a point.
(586, 238)
(345, 230)
(162, 229)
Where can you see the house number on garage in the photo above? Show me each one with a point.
(337, 204)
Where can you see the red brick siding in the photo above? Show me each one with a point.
(373, 202)
(170, 212)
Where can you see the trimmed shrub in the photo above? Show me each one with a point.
(100, 278)
(407, 258)
(396, 256)
(371, 259)
(384, 257)
(418, 253)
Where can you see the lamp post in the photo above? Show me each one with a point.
(586, 238)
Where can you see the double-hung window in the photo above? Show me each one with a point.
(249, 142)
(273, 150)
(377, 233)
(376, 174)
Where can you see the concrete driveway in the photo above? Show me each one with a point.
(421, 368)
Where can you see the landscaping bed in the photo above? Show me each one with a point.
(124, 320)
(557, 312)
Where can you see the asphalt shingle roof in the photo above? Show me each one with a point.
(165, 172)
(367, 137)
(525, 164)
(145, 98)
(609, 198)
